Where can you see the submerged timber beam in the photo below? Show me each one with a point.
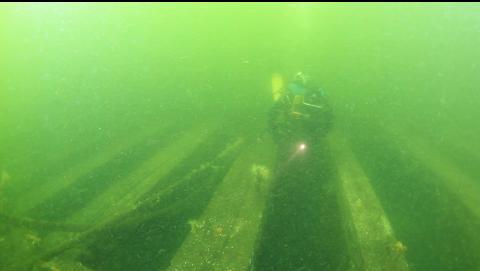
(125, 194)
(29, 223)
(457, 182)
(223, 238)
(45, 190)
(372, 242)
(144, 210)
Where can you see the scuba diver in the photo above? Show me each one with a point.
(301, 228)
(300, 117)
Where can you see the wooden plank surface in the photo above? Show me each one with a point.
(372, 242)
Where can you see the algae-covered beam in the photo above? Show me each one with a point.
(223, 237)
(36, 224)
(52, 231)
(46, 189)
(372, 242)
(125, 193)
(134, 215)
(448, 174)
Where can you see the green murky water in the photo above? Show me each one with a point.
(135, 137)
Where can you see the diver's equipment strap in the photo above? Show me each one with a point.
(313, 105)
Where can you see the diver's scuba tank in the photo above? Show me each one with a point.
(278, 86)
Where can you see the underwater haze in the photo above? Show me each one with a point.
(135, 136)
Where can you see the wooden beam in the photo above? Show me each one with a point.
(146, 209)
(223, 238)
(455, 180)
(371, 239)
(43, 191)
(125, 194)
